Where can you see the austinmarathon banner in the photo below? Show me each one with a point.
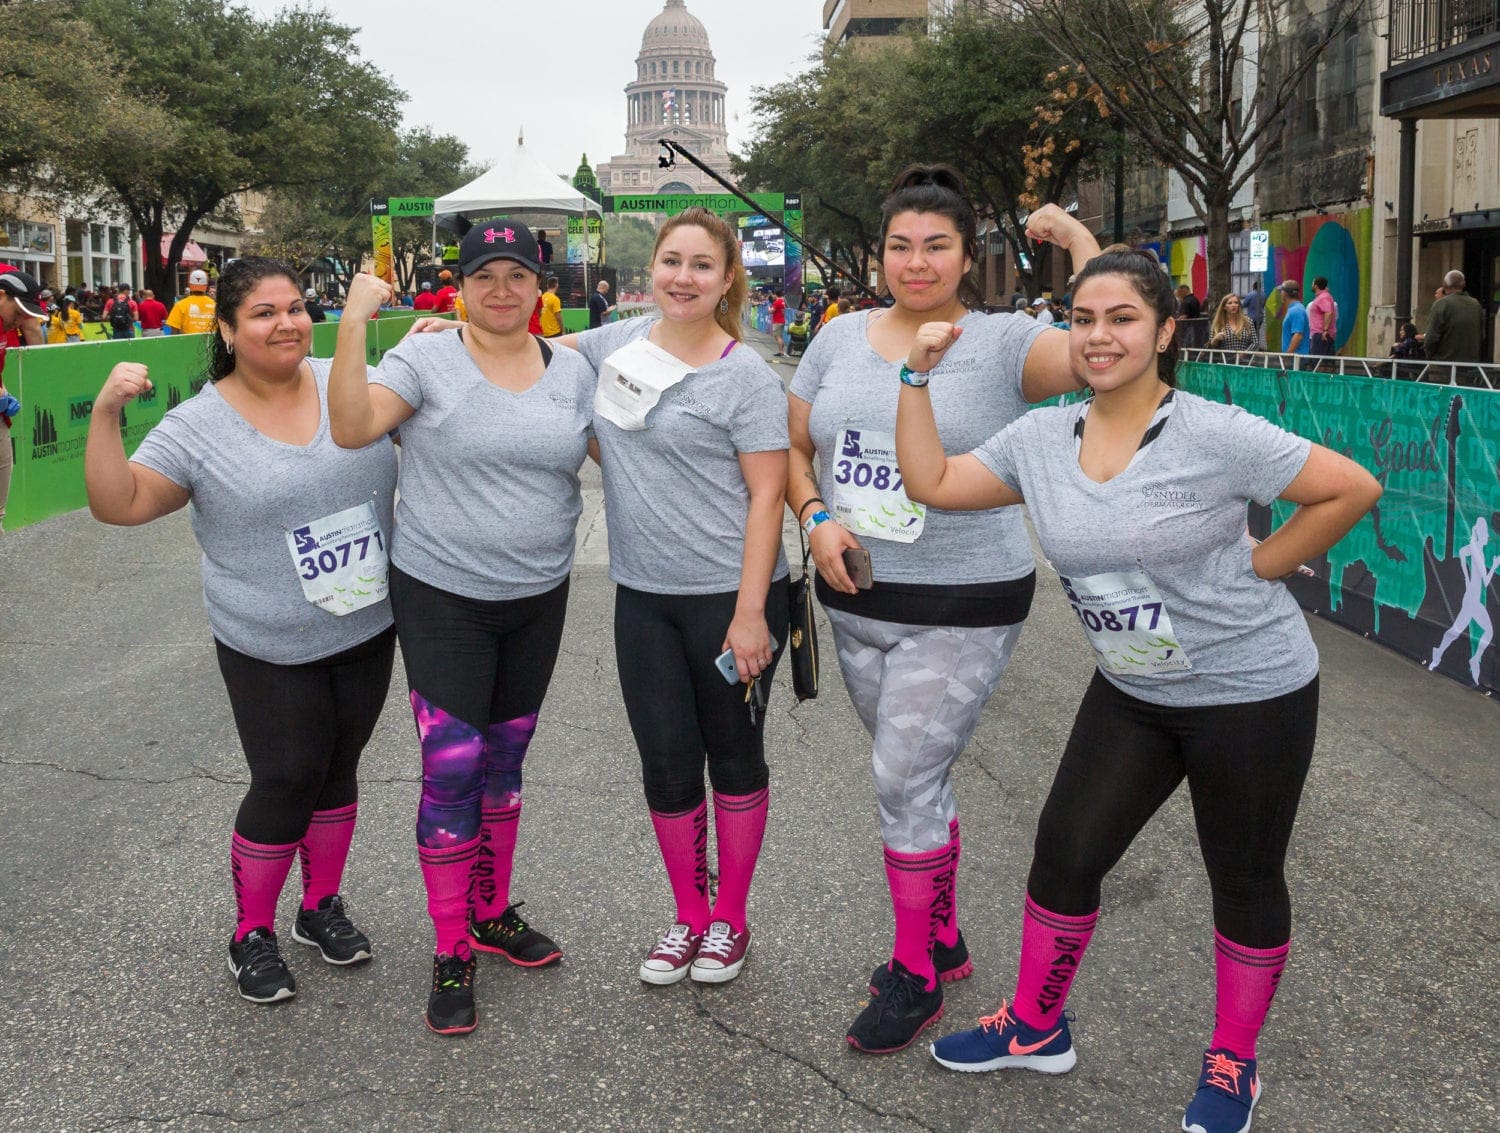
(1419, 572)
(56, 387)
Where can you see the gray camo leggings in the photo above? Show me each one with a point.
(919, 691)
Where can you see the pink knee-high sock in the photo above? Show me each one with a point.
(490, 894)
(947, 921)
(259, 872)
(325, 849)
(919, 888)
(740, 824)
(1052, 947)
(445, 872)
(683, 839)
(1246, 979)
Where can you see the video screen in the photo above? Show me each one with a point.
(762, 247)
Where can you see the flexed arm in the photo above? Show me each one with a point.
(954, 483)
(359, 413)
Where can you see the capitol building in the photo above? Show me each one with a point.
(674, 95)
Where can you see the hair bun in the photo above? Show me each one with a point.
(942, 176)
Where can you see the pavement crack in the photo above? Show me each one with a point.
(198, 773)
(116, 1120)
(833, 1083)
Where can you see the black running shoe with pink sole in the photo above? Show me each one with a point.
(511, 937)
(450, 1007)
(894, 1018)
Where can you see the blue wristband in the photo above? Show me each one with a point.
(814, 519)
(910, 377)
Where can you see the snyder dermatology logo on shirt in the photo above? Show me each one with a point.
(563, 400)
(1176, 498)
(693, 405)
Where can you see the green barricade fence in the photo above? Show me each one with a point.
(1419, 572)
(56, 387)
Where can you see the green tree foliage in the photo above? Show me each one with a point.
(303, 225)
(827, 132)
(1180, 80)
(285, 103)
(65, 101)
(628, 241)
(974, 94)
(981, 87)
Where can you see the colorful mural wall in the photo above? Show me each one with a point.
(1419, 572)
(1335, 246)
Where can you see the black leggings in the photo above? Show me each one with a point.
(481, 661)
(1245, 765)
(680, 706)
(303, 728)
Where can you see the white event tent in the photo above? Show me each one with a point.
(518, 183)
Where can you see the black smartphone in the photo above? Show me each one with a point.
(857, 563)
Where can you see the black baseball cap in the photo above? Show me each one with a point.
(498, 240)
(24, 289)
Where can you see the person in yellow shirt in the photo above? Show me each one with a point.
(194, 312)
(65, 323)
(832, 311)
(459, 309)
(551, 310)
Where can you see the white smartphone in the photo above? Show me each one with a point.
(726, 666)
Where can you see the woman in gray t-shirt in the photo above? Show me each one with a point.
(922, 648)
(494, 426)
(1206, 670)
(691, 425)
(294, 531)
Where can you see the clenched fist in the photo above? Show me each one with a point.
(931, 343)
(367, 294)
(126, 382)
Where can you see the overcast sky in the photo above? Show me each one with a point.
(484, 70)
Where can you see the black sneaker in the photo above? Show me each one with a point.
(902, 1010)
(952, 963)
(514, 939)
(259, 969)
(450, 1007)
(330, 931)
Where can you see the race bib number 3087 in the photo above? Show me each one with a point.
(1126, 622)
(341, 560)
(867, 494)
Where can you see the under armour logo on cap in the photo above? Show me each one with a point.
(506, 234)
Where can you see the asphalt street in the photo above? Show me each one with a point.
(120, 773)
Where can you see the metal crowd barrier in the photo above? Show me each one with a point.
(1472, 375)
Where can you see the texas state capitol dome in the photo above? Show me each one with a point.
(674, 95)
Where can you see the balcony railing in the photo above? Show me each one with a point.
(1424, 27)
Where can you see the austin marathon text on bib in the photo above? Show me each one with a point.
(341, 560)
(867, 492)
(1126, 622)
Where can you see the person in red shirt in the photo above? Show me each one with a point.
(447, 295)
(153, 313)
(20, 325)
(425, 300)
(778, 321)
(126, 327)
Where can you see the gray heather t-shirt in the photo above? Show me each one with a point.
(674, 495)
(1177, 516)
(976, 391)
(248, 492)
(490, 496)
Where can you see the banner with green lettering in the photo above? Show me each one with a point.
(56, 386)
(1419, 572)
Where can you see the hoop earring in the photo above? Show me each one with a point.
(723, 305)
(229, 348)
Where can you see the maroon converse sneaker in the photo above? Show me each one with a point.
(721, 955)
(674, 953)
